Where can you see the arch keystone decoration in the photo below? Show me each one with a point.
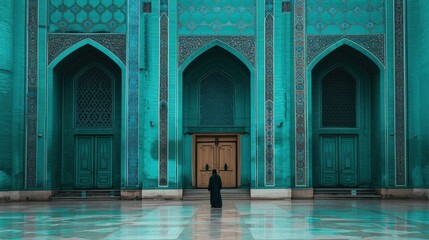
(87, 41)
(190, 47)
(113, 43)
(372, 43)
(345, 42)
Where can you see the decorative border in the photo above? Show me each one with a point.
(31, 101)
(300, 95)
(190, 44)
(374, 43)
(163, 94)
(219, 17)
(400, 143)
(269, 92)
(133, 94)
(58, 43)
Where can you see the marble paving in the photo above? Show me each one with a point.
(318, 219)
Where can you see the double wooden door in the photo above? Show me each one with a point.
(338, 160)
(94, 161)
(216, 152)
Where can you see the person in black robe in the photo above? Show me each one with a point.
(215, 185)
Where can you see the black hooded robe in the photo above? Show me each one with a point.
(215, 185)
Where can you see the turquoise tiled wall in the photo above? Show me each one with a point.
(345, 17)
(6, 92)
(418, 86)
(205, 22)
(82, 16)
(210, 17)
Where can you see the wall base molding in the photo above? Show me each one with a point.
(302, 193)
(167, 194)
(404, 193)
(270, 193)
(28, 195)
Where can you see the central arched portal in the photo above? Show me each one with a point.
(216, 113)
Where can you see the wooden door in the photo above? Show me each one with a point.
(329, 161)
(206, 156)
(348, 159)
(218, 153)
(84, 162)
(103, 161)
(93, 162)
(338, 160)
(227, 159)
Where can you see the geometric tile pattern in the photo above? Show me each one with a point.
(323, 219)
(163, 94)
(31, 102)
(300, 95)
(345, 17)
(190, 44)
(374, 43)
(93, 99)
(269, 93)
(400, 132)
(109, 16)
(116, 43)
(133, 94)
(208, 17)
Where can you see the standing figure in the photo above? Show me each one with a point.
(215, 185)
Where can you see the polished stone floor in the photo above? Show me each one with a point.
(318, 219)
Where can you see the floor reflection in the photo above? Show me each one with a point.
(322, 219)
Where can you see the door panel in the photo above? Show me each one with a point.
(103, 159)
(338, 160)
(84, 162)
(205, 163)
(328, 158)
(218, 153)
(348, 161)
(94, 161)
(227, 164)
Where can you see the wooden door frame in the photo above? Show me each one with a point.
(194, 154)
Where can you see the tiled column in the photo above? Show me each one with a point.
(400, 100)
(133, 94)
(300, 95)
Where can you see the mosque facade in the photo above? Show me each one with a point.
(282, 97)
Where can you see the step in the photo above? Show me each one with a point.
(227, 194)
(88, 194)
(332, 193)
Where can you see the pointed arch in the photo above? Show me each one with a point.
(81, 44)
(345, 42)
(199, 64)
(370, 104)
(66, 65)
(210, 45)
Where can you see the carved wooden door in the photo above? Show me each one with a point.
(338, 160)
(218, 153)
(93, 162)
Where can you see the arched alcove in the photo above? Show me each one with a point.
(216, 112)
(216, 93)
(347, 120)
(84, 121)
